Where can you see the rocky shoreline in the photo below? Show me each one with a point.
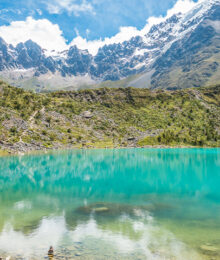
(26, 148)
(78, 251)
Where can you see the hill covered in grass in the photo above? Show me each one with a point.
(108, 117)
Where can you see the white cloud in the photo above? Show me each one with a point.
(43, 32)
(76, 31)
(49, 36)
(87, 32)
(126, 33)
(57, 6)
(181, 6)
(39, 11)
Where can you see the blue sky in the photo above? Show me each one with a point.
(89, 19)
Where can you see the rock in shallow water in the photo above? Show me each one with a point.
(209, 250)
(101, 209)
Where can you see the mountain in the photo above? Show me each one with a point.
(181, 52)
(108, 117)
(193, 60)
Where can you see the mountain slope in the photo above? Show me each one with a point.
(180, 52)
(194, 60)
(108, 118)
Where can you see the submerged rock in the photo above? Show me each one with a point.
(77, 254)
(108, 209)
(209, 250)
(114, 209)
(101, 209)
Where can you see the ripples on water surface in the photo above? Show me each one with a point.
(111, 204)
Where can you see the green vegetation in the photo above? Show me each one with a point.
(109, 117)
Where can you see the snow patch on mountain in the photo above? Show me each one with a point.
(112, 62)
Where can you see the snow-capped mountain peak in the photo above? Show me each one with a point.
(112, 62)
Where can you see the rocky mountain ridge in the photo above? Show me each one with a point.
(152, 56)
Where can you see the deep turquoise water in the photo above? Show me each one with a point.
(112, 204)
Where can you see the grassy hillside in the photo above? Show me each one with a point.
(108, 117)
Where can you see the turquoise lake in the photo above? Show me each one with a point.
(111, 204)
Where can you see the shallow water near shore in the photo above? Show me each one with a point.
(111, 204)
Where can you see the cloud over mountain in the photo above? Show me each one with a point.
(42, 31)
(50, 36)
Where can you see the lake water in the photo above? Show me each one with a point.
(111, 204)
